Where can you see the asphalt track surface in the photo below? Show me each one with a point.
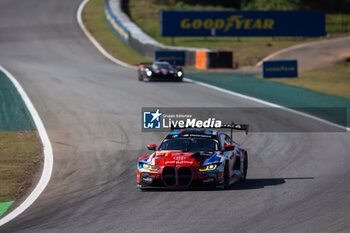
(315, 55)
(297, 182)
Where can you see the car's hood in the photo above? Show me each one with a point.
(174, 158)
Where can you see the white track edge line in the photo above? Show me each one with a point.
(113, 59)
(93, 40)
(47, 150)
(268, 103)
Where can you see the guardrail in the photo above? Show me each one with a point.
(136, 38)
(117, 26)
(132, 35)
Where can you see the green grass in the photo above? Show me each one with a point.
(20, 157)
(95, 21)
(248, 50)
(337, 23)
(333, 80)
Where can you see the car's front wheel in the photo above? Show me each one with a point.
(245, 167)
(141, 187)
(226, 177)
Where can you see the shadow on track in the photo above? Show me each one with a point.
(262, 183)
(249, 184)
(168, 81)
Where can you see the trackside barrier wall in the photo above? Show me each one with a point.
(201, 60)
(135, 37)
(149, 50)
(117, 26)
(147, 46)
(220, 59)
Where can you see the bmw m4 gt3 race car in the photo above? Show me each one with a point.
(159, 70)
(194, 157)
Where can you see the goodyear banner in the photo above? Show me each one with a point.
(243, 23)
(280, 69)
(173, 57)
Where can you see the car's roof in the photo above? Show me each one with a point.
(161, 63)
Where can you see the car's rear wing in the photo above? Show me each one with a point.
(231, 126)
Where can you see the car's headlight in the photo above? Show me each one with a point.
(149, 73)
(208, 168)
(150, 167)
(179, 73)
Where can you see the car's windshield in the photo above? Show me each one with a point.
(190, 144)
(157, 66)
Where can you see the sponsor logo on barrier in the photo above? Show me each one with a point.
(173, 57)
(242, 23)
(280, 69)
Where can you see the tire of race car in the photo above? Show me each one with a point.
(140, 187)
(245, 168)
(226, 178)
(140, 77)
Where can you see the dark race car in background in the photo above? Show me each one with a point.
(159, 70)
(194, 157)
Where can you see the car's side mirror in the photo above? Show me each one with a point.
(229, 147)
(152, 146)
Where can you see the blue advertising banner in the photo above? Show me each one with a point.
(173, 57)
(243, 23)
(280, 69)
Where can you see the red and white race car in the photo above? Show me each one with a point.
(194, 157)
